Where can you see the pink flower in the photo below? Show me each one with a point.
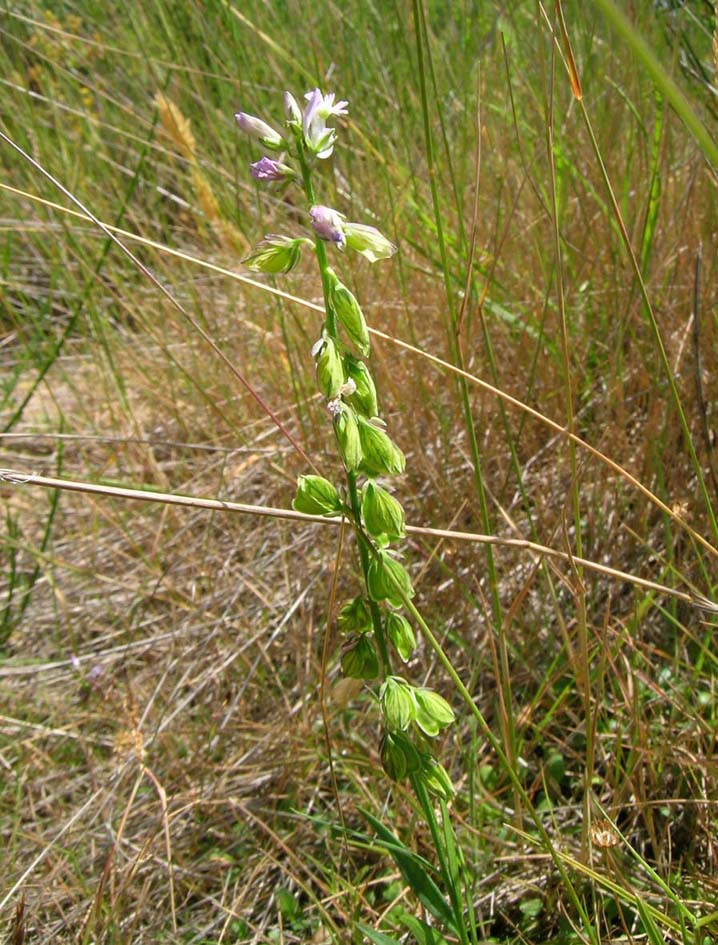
(259, 129)
(328, 225)
(267, 169)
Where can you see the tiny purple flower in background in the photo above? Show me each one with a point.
(93, 677)
(267, 169)
(328, 225)
(259, 129)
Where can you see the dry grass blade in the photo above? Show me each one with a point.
(18, 478)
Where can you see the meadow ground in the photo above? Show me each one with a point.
(170, 688)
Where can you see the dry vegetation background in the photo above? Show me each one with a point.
(164, 772)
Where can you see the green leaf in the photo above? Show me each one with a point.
(413, 869)
(423, 933)
(379, 938)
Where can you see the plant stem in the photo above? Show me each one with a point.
(331, 328)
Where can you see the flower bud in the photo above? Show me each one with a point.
(292, 111)
(360, 660)
(397, 703)
(267, 169)
(381, 512)
(260, 129)
(316, 496)
(387, 579)
(399, 757)
(330, 370)
(401, 635)
(433, 712)
(328, 224)
(350, 315)
(364, 397)
(347, 433)
(435, 779)
(275, 254)
(381, 454)
(355, 616)
(368, 241)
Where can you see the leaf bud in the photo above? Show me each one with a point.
(368, 241)
(380, 453)
(275, 254)
(330, 370)
(399, 756)
(397, 703)
(435, 779)
(381, 512)
(349, 314)
(355, 616)
(347, 433)
(316, 496)
(433, 712)
(401, 635)
(364, 397)
(388, 580)
(360, 660)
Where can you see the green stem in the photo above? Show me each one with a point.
(503, 757)
(331, 328)
(442, 855)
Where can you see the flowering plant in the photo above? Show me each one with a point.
(374, 628)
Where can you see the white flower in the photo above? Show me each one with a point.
(317, 137)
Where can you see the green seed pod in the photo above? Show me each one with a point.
(433, 711)
(399, 631)
(435, 778)
(347, 432)
(316, 496)
(381, 512)
(364, 397)
(360, 660)
(399, 757)
(397, 703)
(386, 578)
(330, 370)
(355, 616)
(350, 316)
(380, 453)
(275, 254)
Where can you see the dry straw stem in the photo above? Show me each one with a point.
(412, 349)
(18, 478)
